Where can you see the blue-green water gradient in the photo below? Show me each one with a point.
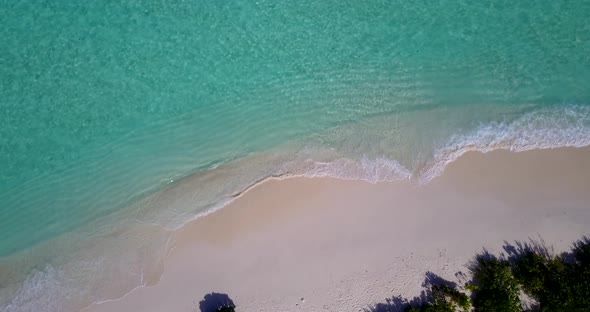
(103, 102)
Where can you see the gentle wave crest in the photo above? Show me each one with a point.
(544, 129)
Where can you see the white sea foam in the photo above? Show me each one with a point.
(546, 129)
(38, 292)
(371, 170)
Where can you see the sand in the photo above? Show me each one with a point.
(322, 244)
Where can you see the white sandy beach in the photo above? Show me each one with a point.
(322, 244)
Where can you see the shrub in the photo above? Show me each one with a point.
(567, 283)
(581, 272)
(446, 294)
(495, 300)
(498, 289)
(581, 252)
(530, 270)
(443, 299)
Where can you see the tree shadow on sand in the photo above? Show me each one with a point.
(520, 248)
(400, 304)
(214, 302)
(579, 250)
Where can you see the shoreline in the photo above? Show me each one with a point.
(432, 171)
(204, 232)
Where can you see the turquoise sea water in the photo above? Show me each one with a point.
(105, 104)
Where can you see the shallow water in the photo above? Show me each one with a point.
(105, 104)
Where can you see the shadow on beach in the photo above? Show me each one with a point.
(400, 304)
(214, 301)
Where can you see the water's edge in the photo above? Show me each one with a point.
(128, 248)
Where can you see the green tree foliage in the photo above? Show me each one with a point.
(450, 296)
(531, 270)
(581, 273)
(443, 299)
(495, 300)
(498, 289)
(558, 283)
